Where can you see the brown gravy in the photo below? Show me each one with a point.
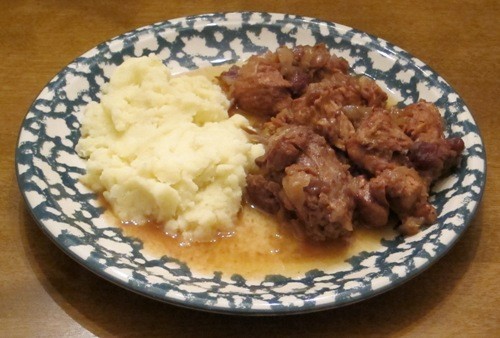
(259, 247)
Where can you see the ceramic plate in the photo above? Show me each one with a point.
(48, 168)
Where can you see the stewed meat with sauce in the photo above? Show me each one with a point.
(259, 88)
(407, 194)
(431, 153)
(266, 84)
(378, 144)
(315, 185)
(336, 156)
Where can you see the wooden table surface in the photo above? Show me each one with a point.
(45, 293)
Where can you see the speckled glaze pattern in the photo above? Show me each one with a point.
(48, 168)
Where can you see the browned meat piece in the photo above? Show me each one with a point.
(283, 148)
(407, 194)
(325, 119)
(316, 190)
(227, 79)
(298, 77)
(266, 84)
(258, 88)
(371, 93)
(343, 89)
(318, 58)
(378, 143)
(431, 154)
(356, 114)
(335, 127)
(372, 208)
(263, 193)
(299, 80)
(433, 160)
(321, 107)
(314, 183)
(305, 64)
(421, 121)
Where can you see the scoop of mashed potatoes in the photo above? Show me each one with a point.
(163, 148)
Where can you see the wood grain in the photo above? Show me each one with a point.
(45, 293)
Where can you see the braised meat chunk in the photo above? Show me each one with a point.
(343, 89)
(259, 88)
(263, 193)
(378, 143)
(321, 107)
(315, 184)
(372, 207)
(316, 190)
(267, 83)
(431, 153)
(325, 119)
(407, 195)
(303, 65)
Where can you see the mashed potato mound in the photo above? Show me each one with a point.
(163, 149)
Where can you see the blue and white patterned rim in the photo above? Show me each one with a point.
(48, 168)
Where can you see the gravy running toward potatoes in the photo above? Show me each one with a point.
(259, 247)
